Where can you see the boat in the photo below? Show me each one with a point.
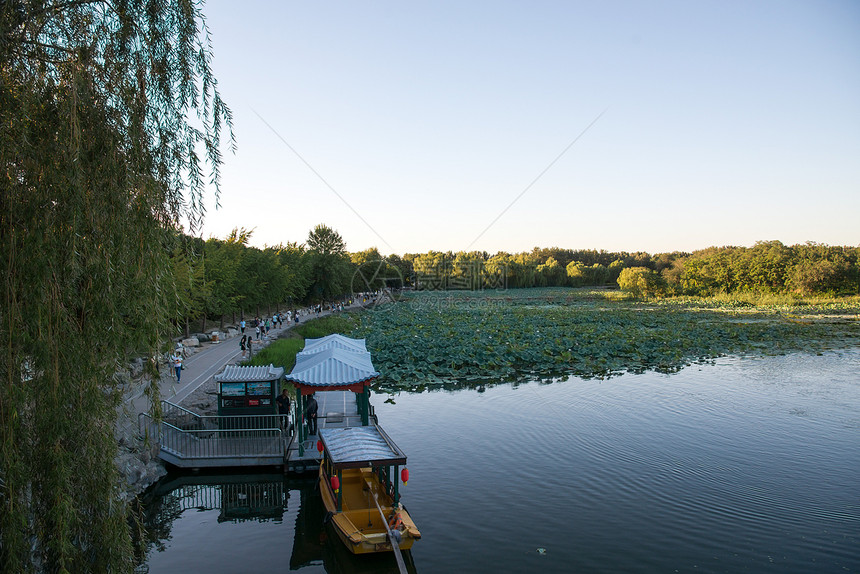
(360, 478)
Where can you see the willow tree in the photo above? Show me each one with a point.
(110, 126)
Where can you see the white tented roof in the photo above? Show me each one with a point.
(332, 366)
(335, 341)
(239, 374)
(355, 447)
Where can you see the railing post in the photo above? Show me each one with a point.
(365, 406)
(300, 419)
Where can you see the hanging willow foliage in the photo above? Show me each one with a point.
(110, 126)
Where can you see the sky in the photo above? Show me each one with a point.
(494, 126)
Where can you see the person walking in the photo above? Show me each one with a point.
(242, 326)
(177, 364)
(311, 414)
(242, 345)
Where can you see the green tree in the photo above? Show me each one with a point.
(499, 272)
(403, 272)
(824, 269)
(222, 265)
(254, 280)
(640, 281)
(100, 161)
(613, 270)
(193, 291)
(577, 273)
(466, 271)
(374, 272)
(245, 293)
(599, 274)
(432, 270)
(551, 273)
(524, 268)
(329, 263)
(294, 264)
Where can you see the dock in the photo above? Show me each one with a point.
(336, 370)
(337, 409)
(189, 440)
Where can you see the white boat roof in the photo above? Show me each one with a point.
(241, 374)
(358, 447)
(332, 367)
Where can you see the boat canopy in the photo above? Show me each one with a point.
(333, 363)
(360, 447)
(240, 374)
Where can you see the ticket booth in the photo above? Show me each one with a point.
(248, 390)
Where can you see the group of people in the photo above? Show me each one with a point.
(246, 344)
(261, 327)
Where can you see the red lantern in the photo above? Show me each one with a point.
(320, 446)
(404, 476)
(335, 484)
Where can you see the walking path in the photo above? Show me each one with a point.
(199, 368)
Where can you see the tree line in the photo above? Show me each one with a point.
(225, 279)
(766, 267)
(228, 277)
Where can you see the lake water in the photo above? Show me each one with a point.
(747, 464)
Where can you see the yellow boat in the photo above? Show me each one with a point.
(360, 488)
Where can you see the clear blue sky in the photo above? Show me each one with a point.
(724, 123)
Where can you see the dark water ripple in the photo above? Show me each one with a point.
(745, 465)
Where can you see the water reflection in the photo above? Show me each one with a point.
(742, 465)
(244, 498)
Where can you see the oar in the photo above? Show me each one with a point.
(395, 546)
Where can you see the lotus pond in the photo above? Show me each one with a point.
(430, 339)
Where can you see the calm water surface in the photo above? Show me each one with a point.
(745, 465)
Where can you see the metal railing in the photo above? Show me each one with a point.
(187, 435)
(185, 419)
